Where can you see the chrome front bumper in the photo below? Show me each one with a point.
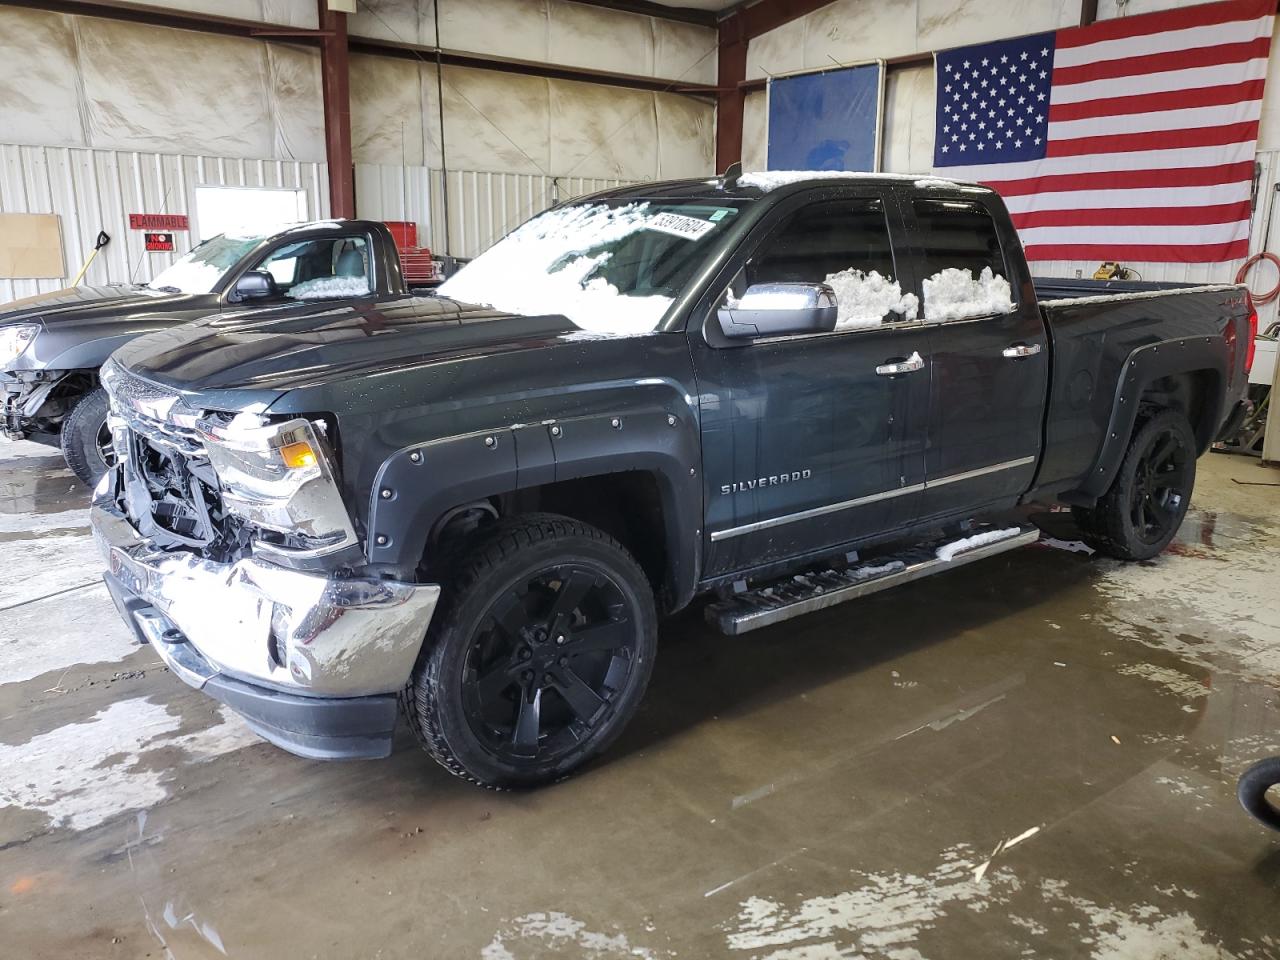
(295, 633)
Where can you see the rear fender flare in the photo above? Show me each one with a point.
(1144, 366)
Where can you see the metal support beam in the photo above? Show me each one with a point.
(736, 32)
(229, 26)
(335, 85)
(1088, 12)
(647, 8)
(731, 73)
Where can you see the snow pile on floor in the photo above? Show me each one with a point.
(954, 294)
(948, 551)
(545, 267)
(864, 299)
(329, 288)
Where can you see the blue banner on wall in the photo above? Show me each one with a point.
(825, 121)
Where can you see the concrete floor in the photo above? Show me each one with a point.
(1032, 756)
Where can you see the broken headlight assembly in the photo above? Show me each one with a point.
(279, 479)
(14, 340)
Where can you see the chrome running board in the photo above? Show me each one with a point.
(821, 588)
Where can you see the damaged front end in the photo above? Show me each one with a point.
(229, 547)
(33, 403)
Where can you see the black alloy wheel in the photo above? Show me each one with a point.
(106, 449)
(1147, 501)
(1162, 486)
(552, 654)
(538, 654)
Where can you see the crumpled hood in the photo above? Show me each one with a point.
(278, 350)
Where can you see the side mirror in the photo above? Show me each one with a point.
(255, 285)
(775, 309)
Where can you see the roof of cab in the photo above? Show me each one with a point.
(753, 186)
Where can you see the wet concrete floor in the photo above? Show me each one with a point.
(1034, 755)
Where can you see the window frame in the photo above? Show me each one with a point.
(260, 257)
(899, 250)
(917, 231)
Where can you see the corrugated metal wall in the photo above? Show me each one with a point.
(94, 190)
(483, 207)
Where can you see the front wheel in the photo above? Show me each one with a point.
(1148, 499)
(538, 655)
(86, 438)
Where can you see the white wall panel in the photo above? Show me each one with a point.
(483, 207)
(293, 13)
(908, 120)
(94, 190)
(755, 131)
(38, 90)
(527, 125)
(78, 81)
(551, 31)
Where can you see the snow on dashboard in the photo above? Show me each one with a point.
(865, 299)
(328, 288)
(545, 267)
(954, 294)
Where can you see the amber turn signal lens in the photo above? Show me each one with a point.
(297, 455)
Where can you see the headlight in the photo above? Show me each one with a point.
(278, 478)
(14, 341)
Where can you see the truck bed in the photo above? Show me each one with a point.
(1064, 288)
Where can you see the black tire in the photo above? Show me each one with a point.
(544, 617)
(1148, 499)
(86, 441)
(1252, 791)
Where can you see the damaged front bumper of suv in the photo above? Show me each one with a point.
(312, 661)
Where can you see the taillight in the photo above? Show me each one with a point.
(1253, 338)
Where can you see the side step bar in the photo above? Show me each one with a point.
(822, 588)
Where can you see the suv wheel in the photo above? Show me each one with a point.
(86, 438)
(1148, 499)
(538, 655)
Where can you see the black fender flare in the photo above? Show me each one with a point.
(1144, 366)
(417, 485)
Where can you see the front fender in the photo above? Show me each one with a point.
(648, 428)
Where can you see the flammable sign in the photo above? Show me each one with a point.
(159, 241)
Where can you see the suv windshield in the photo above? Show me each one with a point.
(201, 269)
(611, 267)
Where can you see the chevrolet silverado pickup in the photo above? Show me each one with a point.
(778, 391)
(52, 345)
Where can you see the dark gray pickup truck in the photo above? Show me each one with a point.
(52, 345)
(784, 391)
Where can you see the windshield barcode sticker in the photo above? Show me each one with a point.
(691, 228)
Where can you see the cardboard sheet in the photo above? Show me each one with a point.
(31, 247)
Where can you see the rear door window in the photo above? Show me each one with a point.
(845, 244)
(962, 261)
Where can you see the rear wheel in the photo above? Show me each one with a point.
(86, 438)
(1148, 499)
(538, 656)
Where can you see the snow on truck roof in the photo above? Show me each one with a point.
(748, 185)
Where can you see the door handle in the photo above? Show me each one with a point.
(910, 365)
(1020, 350)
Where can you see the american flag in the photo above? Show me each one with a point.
(1130, 139)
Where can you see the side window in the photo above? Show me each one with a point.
(321, 269)
(843, 243)
(962, 263)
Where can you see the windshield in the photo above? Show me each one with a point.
(201, 269)
(609, 266)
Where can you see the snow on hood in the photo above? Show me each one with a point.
(954, 294)
(864, 299)
(544, 265)
(328, 288)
